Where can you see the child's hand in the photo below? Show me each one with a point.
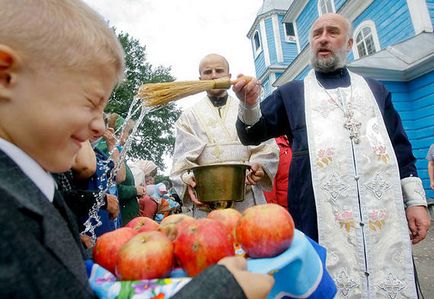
(112, 206)
(86, 240)
(254, 285)
(110, 139)
(140, 190)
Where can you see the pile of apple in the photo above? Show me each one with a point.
(144, 249)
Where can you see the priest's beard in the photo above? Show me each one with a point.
(329, 64)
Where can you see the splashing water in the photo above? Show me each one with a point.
(94, 219)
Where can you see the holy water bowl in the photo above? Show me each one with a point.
(220, 182)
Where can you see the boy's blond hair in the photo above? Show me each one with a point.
(59, 33)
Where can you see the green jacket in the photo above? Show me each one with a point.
(127, 195)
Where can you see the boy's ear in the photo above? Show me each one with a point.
(9, 65)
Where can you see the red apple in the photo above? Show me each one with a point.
(107, 247)
(265, 230)
(147, 255)
(229, 217)
(143, 224)
(200, 244)
(171, 223)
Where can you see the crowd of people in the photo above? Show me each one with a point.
(126, 191)
(52, 124)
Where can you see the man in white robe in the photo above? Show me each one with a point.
(353, 185)
(206, 134)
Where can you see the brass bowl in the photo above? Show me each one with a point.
(220, 182)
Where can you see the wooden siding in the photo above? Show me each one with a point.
(260, 64)
(289, 52)
(392, 20)
(430, 4)
(289, 49)
(339, 3)
(270, 40)
(305, 20)
(414, 101)
(266, 85)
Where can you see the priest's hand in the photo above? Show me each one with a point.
(254, 285)
(255, 174)
(418, 222)
(247, 91)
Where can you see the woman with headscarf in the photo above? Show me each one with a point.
(142, 169)
(127, 190)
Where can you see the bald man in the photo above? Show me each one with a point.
(206, 134)
(353, 184)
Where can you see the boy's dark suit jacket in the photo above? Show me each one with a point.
(40, 252)
(41, 255)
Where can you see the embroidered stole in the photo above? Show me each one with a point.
(359, 203)
(223, 145)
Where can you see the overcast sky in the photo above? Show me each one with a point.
(178, 33)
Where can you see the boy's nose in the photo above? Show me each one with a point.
(98, 126)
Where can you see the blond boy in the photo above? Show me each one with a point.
(59, 62)
(58, 65)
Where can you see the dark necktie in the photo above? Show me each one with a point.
(60, 205)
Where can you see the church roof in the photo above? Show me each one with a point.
(269, 5)
(400, 62)
(268, 8)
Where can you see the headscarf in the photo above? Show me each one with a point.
(140, 169)
(146, 166)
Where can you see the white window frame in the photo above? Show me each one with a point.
(320, 12)
(371, 25)
(289, 38)
(259, 49)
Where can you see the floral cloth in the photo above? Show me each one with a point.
(105, 285)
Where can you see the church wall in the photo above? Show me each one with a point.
(392, 20)
(270, 41)
(414, 101)
(430, 4)
(339, 3)
(289, 49)
(266, 85)
(259, 64)
(289, 52)
(305, 20)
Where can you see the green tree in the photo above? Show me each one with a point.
(155, 135)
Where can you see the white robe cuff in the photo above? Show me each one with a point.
(249, 115)
(413, 192)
